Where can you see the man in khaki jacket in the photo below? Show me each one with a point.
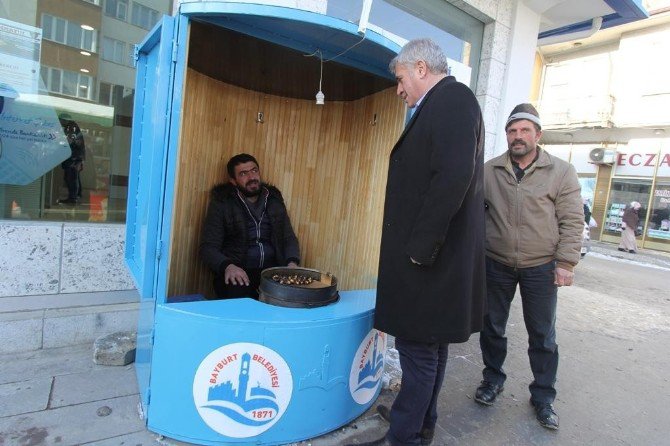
(534, 224)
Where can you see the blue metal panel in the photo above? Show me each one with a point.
(326, 363)
(626, 11)
(302, 31)
(146, 182)
(175, 106)
(147, 154)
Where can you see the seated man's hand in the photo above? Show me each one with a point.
(292, 265)
(235, 275)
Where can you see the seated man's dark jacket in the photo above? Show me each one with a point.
(224, 238)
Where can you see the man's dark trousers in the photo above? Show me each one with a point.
(415, 407)
(538, 298)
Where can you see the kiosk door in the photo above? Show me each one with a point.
(155, 74)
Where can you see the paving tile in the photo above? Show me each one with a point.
(24, 396)
(46, 363)
(142, 438)
(73, 425)
(95, 385)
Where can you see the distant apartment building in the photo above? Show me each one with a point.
(605, 106)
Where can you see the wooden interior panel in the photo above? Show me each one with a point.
(329, 161)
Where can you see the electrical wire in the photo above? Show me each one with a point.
(318, 50)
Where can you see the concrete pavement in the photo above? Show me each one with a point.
(613, 333)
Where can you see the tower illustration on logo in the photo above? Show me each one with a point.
(227, 400)
(258, 398)
(321, 377)
(368, 367)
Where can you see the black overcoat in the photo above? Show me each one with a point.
(434, 213)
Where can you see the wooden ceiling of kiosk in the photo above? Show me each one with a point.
(258, 65)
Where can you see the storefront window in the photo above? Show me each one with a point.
(68, 65)
(622, 193)
(588, 185)
(659, 219)
(458, 34)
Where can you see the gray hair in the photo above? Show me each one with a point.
(421, 49)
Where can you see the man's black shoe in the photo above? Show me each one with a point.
(487, 393)
(378, 442)
(426, 434)
(546, 415)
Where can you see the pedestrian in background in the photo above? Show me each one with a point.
(630, 219)
(430, 289)
(73, 166)
(534, 224)
(587, 212)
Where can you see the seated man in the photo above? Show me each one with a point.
(247, 229)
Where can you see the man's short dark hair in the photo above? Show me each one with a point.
(237, 160)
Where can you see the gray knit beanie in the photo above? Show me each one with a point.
(524, 111)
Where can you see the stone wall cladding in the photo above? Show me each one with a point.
(51, 258)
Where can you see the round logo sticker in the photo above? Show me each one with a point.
(242, 389)
(368, 367)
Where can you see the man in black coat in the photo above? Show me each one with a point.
(247, 229)
(431, 285)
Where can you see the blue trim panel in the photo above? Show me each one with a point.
(142, 220)
(300, 30)
(174, 115)
(626, 11)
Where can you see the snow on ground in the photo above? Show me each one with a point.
(599, 255)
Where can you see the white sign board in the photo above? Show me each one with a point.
(19, 57)
(638, 158)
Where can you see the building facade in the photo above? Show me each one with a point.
(609, 95)
(74, 58)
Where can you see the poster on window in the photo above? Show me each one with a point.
(31, 141)
(659, 220)
(19, 57)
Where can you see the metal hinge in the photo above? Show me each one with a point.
(174, 52)
(136, 54)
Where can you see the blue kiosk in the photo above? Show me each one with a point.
(221, 78)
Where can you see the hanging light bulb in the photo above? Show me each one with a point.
(320, 97)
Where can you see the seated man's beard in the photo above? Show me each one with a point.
(250, 193)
